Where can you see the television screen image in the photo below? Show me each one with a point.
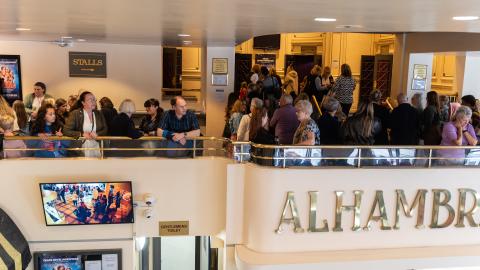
(87, 203)
(61, 263)
(268, 42)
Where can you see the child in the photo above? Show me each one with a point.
(44, 126)
(243, 91)
(6, 124)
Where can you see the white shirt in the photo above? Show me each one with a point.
(88, 126)
(37, 103)
(243, 133)
(254, 78)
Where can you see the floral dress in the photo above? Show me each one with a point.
(301, 134)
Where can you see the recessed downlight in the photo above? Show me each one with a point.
(67, 37)
(22, 29)
(187, 42)
(81, 40)
(183, 35)
(465, 18)
(325, 19)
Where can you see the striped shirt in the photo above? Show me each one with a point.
(170, 122)
(343, 89)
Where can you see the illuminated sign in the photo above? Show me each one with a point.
(88, 64)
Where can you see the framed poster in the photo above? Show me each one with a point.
(267, 60)
(220, 65)
(11, 77)
(419, 81)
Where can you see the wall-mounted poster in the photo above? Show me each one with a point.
(220, 65)
(10, 77)
(419, 81)
(267, 60)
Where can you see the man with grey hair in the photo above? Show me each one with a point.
(404, 123)
(284, 120)
(329, 125)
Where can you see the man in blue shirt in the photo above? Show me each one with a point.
(179, 124)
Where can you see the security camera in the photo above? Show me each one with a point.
(149, 199)
(148, 213)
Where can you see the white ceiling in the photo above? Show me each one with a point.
(222, 22)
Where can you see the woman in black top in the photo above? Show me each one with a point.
(432, 134)
(150, 122)
(122, 124)
(108, 111)
(381, 113)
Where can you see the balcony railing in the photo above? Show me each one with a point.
(283, 156)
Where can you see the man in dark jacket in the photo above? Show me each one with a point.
(404, 123)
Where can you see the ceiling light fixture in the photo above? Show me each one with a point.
(22, 29)
(465, 18)
(81, 40)
(67, 37)
(183, 35)
(325, 19)
(187, 42)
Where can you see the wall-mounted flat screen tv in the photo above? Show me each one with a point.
(81, 203)
(268, 42)
(104, 259)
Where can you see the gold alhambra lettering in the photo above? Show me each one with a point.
(441, 199)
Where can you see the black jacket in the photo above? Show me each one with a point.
(122, 125)
(404, 125)
(330, 130)
(383, 114)
(353, 131)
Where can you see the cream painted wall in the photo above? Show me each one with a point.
(266, 189)
(133, 71)
(432, 43)
(471, 79)
(216, 95)
(420, 59)
(185, 189)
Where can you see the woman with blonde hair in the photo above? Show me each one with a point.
(122, 124)
(235, 118)
(291, 81)
(5, 109)
(307, 132)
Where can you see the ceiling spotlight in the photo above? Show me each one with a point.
(325, 19)
(67, 37)
(81, 40)
(465, 18)
(183, 35)
(22, 29)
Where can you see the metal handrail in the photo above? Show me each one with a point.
(278, 154)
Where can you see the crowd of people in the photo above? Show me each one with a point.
(318, 113)
(266, 110)
(42, 116)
